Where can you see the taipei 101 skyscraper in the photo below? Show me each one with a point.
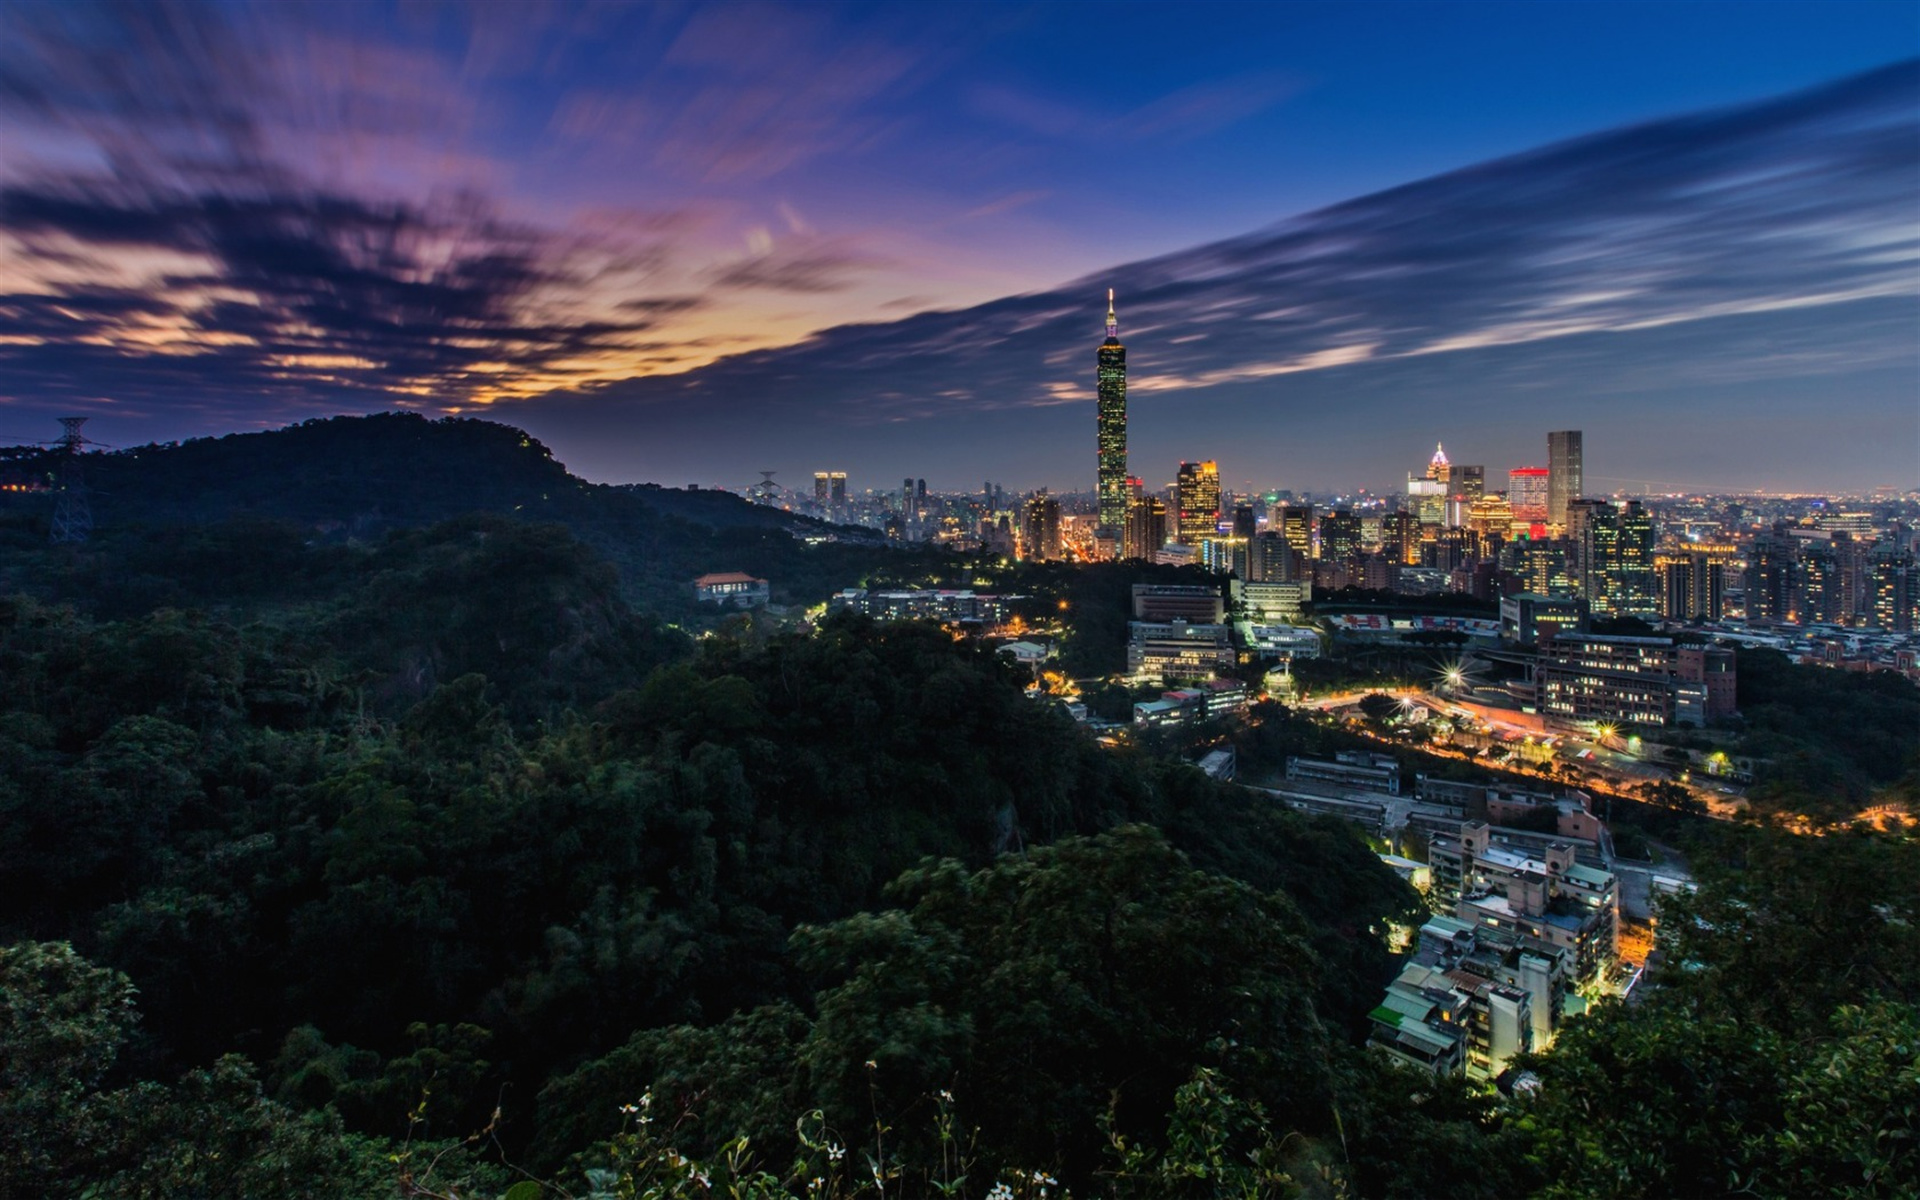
(1112, 488)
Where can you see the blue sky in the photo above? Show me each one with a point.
(579, 218)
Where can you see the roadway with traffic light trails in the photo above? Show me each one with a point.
(1571, 759)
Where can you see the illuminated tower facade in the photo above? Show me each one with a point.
(1112, 485)
(1566, 468)
(1198, 489)
(1040, 530)
(1527, 492)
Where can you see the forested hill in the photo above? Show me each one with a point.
(360, 479)
(388, 469)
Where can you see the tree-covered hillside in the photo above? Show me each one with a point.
(464, 807)
(431, 864)
(257, 496)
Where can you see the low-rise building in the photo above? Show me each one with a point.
(1268, 602)
(1608, 680)
(1421, 1024)
(1284, 642)
(733, 588)
(1526, 819)
(1527, 616)
(1356, 769)
(1174, 651)
(1028, 653)
(1199, 604)
(1548, 895)
(1215, 698)
(1470, 1002)
(944, 605)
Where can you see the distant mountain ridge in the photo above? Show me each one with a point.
(362, 474)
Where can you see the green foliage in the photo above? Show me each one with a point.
(261, 522)
(1779, 1053)
(62, 1020)
(213, 1135)
(1091, 977)
(1795, 928)
(1216, 1146)
(435, 825)
(1094, 599)
(451, 892)
(1828, 737)
(1672, 795)
(1685, 1099)
(1378, 706)
(1086, 974)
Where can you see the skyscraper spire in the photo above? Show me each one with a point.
(1112, 428)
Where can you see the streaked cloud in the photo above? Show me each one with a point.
(639, 227)
(1803, 204)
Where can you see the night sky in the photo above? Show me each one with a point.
(685, 242)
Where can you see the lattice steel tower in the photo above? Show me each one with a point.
(72, 514)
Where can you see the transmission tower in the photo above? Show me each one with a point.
(72, 514)
(767, 491)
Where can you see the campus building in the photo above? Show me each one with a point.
(1178, 650)
(1609, 680)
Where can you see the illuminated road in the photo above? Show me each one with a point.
(1602, 766)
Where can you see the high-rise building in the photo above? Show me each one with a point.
(1450, 549)
(1527, 493)
(1895, 589)
(1427, 500)
(1439, 470)
(1243, 522)
(1112, 428)
(1565, 473)
(1633, 582)
(1400, 538)
(1296, 526)
(1692, 584)
(1197, 489)
(1469, 482)
(830, 493)
(1820, 584)
(1773, 578)
(1271, 560)
(1541, 566)
(1613, 564)
(1593, 535)
(1491, 517)
(1340, 536)
(1239, 546)
(1040, 528)
(1146, 529)
(1853, 563)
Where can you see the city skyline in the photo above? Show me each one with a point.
(1698, 275)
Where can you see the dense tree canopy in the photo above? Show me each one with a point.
(321, 851)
